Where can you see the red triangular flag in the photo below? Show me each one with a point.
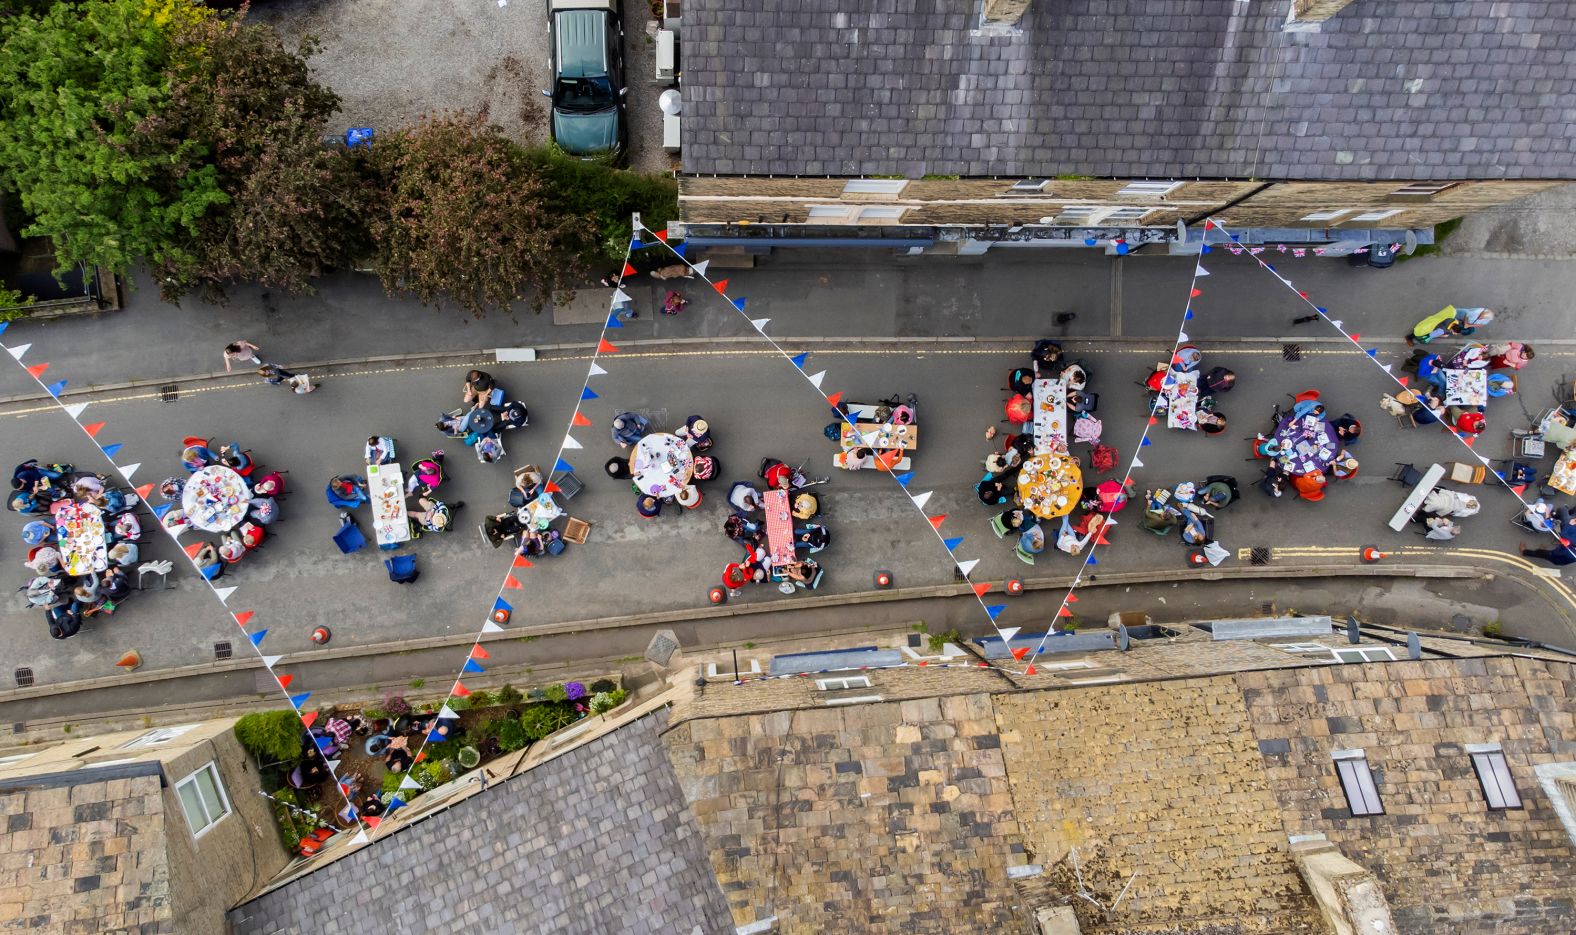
(372, 821)
(886, 459)
(1518, 489)
(419, 757)
(1564, 541)
(510, 581)
(1196, 293)
(980, 589)
(1355, 337)
(37, 370)
(1020, 652)
(460, 691)
(606, 347)
(554, 488)
(580, 419)
(1303, 294)
(923, 662)
(1209, 225)
(661, 235)
(93, 429)
(1153, 420)
(308, 718)
(242, 618)
(1063, 612)
(835, 398)
(1100, 539)
(191, 550)
(1403, 380)
(520, 561)
(1468, 439)
(1029, 670)
(478, 653)
(628, 270)
(936, 521)
(285, 680)
(144, 490)
(1072, 598)
(721, 286)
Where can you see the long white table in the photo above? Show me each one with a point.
(386, 490)
(1050, 417)
(1431, 478)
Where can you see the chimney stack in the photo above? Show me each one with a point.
(1308, 14)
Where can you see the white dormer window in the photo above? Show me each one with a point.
(1149, 189)
(875, 187)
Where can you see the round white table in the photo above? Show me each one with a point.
(661, 464)
(216, 499)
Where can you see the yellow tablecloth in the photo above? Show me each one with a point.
(1050, 484)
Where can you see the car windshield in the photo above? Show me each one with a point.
(584, 94)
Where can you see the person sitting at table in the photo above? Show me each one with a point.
(434, 515)
(397, 756)
(1307, 407)
(348, 489)
(1075, 376)
(372, 806)
(115, 583)
(1470, 422)
(706, 468)
(87, 486)
(379, 450)
(1500, 385)
(1022, 443)
(1195, 528)
(1509, 355)
(617, 468)
(1002, 463)
(30, 472)
(195, 458)
(1187, 359)
(1108, 496)
(1210, 423)
(1441, 528)
(124, 553)
(648, 506)
(1217, 491)
(451, 424)
(1083, 402)
(171, 488)
(805, 506)
(513, 415)
(1020, 380)
(1218, 380)
(629, 428)
(232, 457)
(479, 385)
(813, 537)
(697, 432)
(1046, 356)
(1013, 519)
(743, 496)
(175, 520)
(994, 491)
(231, 548)
(425, 474)
(205, 555)
(741, 529)
(804, 574)
(1310, 486)
(1032, 540)
(501, 528)
(1344, 467)
(488, 449)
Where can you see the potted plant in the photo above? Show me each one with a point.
(469, 757)
(603, 702)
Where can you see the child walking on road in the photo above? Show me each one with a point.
(275, 375)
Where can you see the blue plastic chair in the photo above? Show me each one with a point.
(349, 538)
(345, 503)
(402, 568)
(213, 571)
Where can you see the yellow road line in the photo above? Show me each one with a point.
(1411, 551)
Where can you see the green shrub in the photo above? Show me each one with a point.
(542, 719)
(1495, 630)
(391, 782)
(509, 695)
(607, 701)
(608, 195)
(481, 699)
(469, 757)
(555, 693)
(939, 641)
(603, 685)
(431, 773)
(511, 735)
(270, 736)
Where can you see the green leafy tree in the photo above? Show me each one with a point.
(607, 195)
(271, 736)
(466, 217)
(75, 85)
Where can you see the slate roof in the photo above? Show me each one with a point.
(597, 840)
(1399, 89)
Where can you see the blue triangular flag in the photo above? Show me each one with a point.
(1145, 442)
(738, 304)
(4, 325)
(111, 450)
(395, 802)
(1372, 352)
(257, 638)
(1188, 315)
(322, 741)
(588, 393)
(850, 418)
(682, 249)
(952, 543)
(995, 610)
(1500, 474)
(472, 667)
(905, 477)
(1269, 267)
(1204, 248)
(1090, 241)
(436, 737)
(162, 509)
(613, 322)
(55, 388)
(295, 700)
(1236, 238)
(799, 359)
(1093, 560)
(563, 465)
(501, 604)
(634, 244)
(1322, 311)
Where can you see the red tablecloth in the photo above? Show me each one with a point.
(779, 526)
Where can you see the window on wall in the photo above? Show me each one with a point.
(1149, 189)
(875, 186)
(1090, 215)
(1357, 781)
(1493, 774)
(1332, 214)
(1423, 188)
(1363, 654)
(1030, 185)
(843, 684)
(203, 799)
(855, 214)
(1368, 217)
(1301, 647)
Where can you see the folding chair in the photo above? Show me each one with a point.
(402, 569)
(1406, 474)
(568, 484)
(349, 538)
(576, 531)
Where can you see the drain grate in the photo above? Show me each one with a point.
(169, 393)
(1291, 351)
(958, 575)
(221, 650)
(19, 727)
(1267, 608)
(1259, 555)
(24, 677)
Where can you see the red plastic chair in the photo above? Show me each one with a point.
(194, 440)
(1306, 396)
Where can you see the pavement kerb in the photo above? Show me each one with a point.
(707, 613)
(485, 355)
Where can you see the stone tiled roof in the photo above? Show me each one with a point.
(83, 857)
(1404, 89)
(596, 840)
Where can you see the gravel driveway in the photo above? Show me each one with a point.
(393, 60)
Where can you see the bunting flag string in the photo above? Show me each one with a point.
(500, 610)
(1354, 340)
(1133, 463)
(254, 639)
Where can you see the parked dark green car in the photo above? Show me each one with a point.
(588, 77)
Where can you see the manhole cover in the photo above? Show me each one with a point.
(1291, 351)
(169, 393)
(221, 650)
(24, 677)
(1259, 555)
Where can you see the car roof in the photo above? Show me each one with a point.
(582, 43)
(555, 5)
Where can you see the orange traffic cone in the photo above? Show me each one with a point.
(131, 661)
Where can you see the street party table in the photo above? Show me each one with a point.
(1050, 484)
(1466, 387)
(215, 499)
(1563, 477)
(1308, 444)
(1050, 416)
(779, 527)
(386, 492)
(882, 436)
(661, 465)
(80, 528)
(1181, 396)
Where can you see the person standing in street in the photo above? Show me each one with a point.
(275, 375)
(240, 350)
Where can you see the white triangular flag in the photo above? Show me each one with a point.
(19, 350)
(596, 370)
(1110, 521)
(701, 266)
(569, 442)
(1181, 337)
(967, 566)
(269, 660)
(1386, 367)
(1136, 462)
(224, 594)
(490, 627)
(409, 783)
(815, 379)
(620, 297)
(1007, 633)
(759, 323)
(920, 499)
(1200, 270)
(75, 410)
(130, 469)
(446, 712)
(360, 838)
(333, 764)
(1337, 323)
